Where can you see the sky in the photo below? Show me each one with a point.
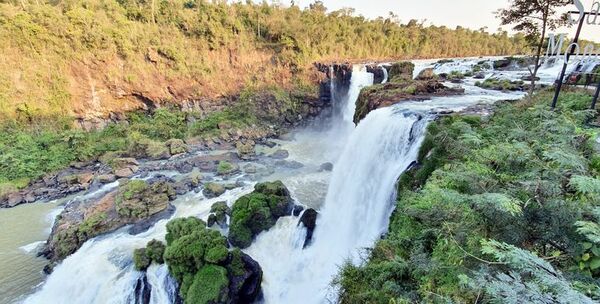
(473, 14)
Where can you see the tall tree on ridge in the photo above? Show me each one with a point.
(534, 18)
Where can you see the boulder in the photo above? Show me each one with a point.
(124, 167)
(401, 71)
(219, 212)
(250, 169)
(213, 190)
(227, 168)
(280, 154)
(176, 146)
(426, 74)
(135, 202)
(258, 211)
(245, 283)
(106, 178)
(157, 151)
(308, 220)
(326, 167)
(246, 150)
(137, 199)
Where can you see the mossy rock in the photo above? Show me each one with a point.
(156, 150)
(210, 286)
(137, 199)
(176, 146)
(219, 212)
(401, 71)
(141, 260)
(227, 168)
(182, 226)
(258, 211)
(213, 190)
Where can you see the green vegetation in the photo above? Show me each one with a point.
(198, 258)
(196, 46)
(225, 167)
(258, 211)
(501, 84)
(136, 199)
(501, 210)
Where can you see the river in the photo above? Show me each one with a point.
(354, 203)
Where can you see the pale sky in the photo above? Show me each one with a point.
(473, 14)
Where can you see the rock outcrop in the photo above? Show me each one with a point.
(258, 211)
(400, 88)
(309, 221)
(133, 202)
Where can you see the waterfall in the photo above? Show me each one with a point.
(356, 211)
(360, 79)
(385, 74)
(102, 272)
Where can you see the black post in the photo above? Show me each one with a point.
(564, 69)
(596, 96)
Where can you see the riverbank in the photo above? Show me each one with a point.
(501, 208)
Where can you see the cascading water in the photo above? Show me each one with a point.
(367, 161)
(385, 74)
(355, 213)
(101, 271)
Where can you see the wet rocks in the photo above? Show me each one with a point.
(499, 84)
(52, 186)
(280, 154)
(227, 168)
(124, 167)
(308, 220)
(137, 199)
(131, 203)
(176, 146)
(400, 88)
(326, 167)
(288, 164)
(426, 74)
(245, 283)
(219, 212)
(246, 150)
(213, 190)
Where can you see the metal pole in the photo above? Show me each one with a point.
(596, 96)
(564, 68)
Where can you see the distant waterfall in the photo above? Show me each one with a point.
(356, 211)
(385, 74)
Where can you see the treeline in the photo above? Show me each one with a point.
(62, 56)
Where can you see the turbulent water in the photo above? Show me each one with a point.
(354, 203)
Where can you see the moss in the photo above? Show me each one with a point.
(225, 168)
(155, 251)
(210, 286)
(182, 226)
(501, 84)
(141, 259)
(88, 228)
(401, 71)
(258, 211)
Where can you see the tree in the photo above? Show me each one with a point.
(534, 18)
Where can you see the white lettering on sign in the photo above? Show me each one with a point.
(591, 18)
